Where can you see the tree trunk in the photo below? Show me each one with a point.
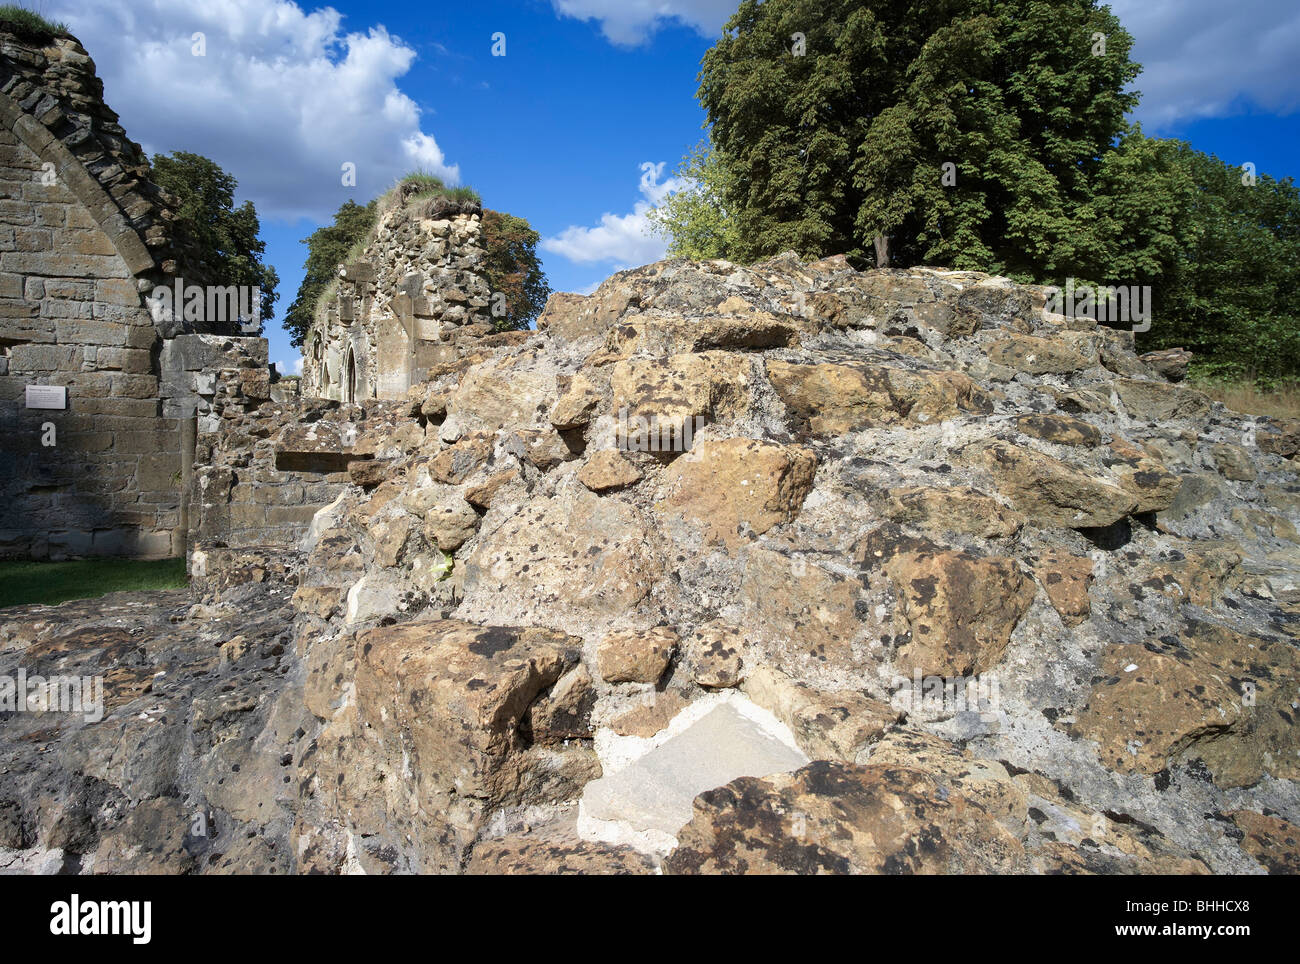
(882, 250)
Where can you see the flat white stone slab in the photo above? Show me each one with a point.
(646, 802)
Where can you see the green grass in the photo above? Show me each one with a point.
(429, 186)
(29, 24)
(23, 583)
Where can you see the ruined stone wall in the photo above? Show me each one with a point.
(70, 315)
(84, 235)
(403, 306)
(263, 469)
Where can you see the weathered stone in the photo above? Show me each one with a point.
(961, 610)
(541, 448)
(711, 386)
(1274, 842)
(1208, 693)
(456, 464)
(636, 656)
(716, 655)
(1143, 477)
(368, 473)
(662, 336)
(1051, 492)
(321, 601)
(835, 818)
(554, 851)
(1149, 707)
(957, 509)
(578, 402)
(608, 469)
(395, 537)
(654, 712)
(1066, 579)
(1061, 429)
(839, 725)
(450, 524)
(1233, 462)
(444, 698)
(482, 495)
(834, 399)
(565, 712)
(1198, 575)
(735, 485)
(1171, 362)
(1281, 439)
(1037, 356)
(571, 548)
(802, 611)
(491, 398)
(1160, 401)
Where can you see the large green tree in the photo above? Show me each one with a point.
(984, 136)
(1220, 248)
(327, 248)
(224, 237)
(512, 269)
(946, 131)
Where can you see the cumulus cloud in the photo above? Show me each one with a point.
(281, 98)
(628, 240)
(291, 367)
(1204, 58)
(632, 22)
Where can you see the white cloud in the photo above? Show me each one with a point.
(281, 99)
(293, 367)
(1205, 58)
(626, 239)
(632, 22)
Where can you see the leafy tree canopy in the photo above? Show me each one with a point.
(327, 248)
(836, 122)
(982, 136)
(513, 269)
(226, 239)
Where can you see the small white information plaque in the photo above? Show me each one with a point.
(47, 396)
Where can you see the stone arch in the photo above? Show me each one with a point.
(73, 174)
(348, 381)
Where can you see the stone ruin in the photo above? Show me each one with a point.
(939, 565)
(98, 401)
(944, 582)
(136, 454)
(404, 306)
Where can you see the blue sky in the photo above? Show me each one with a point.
(578, 127)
